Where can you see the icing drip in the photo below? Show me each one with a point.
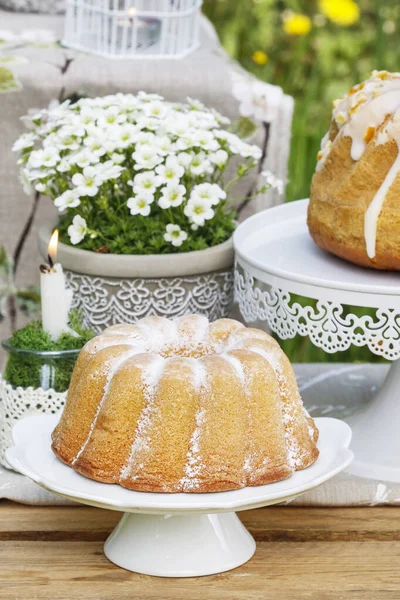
(375, 207)
(150, 377)
(358, 116)
(116, 364)
(372, 114)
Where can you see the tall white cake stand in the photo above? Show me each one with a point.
(173, 535)
(276, 258)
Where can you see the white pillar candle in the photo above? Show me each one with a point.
(56, 298)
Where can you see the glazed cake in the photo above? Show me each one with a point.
(184, 406)
(354, 209)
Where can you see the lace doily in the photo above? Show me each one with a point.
(17, 403)
(328, 324)
(107, 301)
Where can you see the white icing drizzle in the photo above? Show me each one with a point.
(358, 116)
(374, 210)
(116, 364)
(236, 364)
(150, 377)
(372, 114)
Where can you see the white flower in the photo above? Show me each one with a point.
(171, 172)
(64, 166)
(77, 230)
(172, 195)
(145, 97)
(84, 158)
(209, 192)
(164, 145)
(69, 199)
(200, 164)
(156, 108)
(41, 187)
(146, 157)
(219, 158)
(206, 140)
(257, 99)
(33, 174)
(87, 116)
(25, 181)
(124, 135)
(118, 158)
(145, 138)
(108, 170)
(27, 140)
(111, 116)
(175, 235)
(140, 204)
(145, 182)
(194, 104)
(273, 181)
(198, 211)
(184, 159)
(95, 145)
(87, 183)
(48, 157)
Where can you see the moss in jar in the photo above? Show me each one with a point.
(27, 370)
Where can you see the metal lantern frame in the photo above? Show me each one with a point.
(128, 29)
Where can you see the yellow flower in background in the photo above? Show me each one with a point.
(260, 57)
(341, 12)
(296, 24)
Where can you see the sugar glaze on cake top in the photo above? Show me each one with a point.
(369, 113)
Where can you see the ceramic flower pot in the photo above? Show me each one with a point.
(110, 288)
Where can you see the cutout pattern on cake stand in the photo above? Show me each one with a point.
(173, 535)
(276, 260)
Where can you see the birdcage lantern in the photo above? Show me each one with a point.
(133, 28)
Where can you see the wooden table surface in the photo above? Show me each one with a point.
(318, 553)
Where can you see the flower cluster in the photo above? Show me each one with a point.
(135, 173)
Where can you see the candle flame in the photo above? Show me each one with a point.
(132, 12)
(52, 249)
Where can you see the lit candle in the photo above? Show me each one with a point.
(138, 31)
(56, 297)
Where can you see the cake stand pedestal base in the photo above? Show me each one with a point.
(376, 433)
(173, 545)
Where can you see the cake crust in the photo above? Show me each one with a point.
(184, 406)
(354, 209)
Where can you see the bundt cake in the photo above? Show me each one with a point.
(354, 209)
(184, 406)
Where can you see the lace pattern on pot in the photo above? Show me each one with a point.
(328, 324)
(108, 301)
(17, 403)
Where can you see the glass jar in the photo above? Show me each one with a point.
(38, 368)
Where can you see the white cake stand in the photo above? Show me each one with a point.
(173, 535)
(276, 257)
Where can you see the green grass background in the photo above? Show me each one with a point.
(315, 69)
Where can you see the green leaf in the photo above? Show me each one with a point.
(244, 128)
(8, 81)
